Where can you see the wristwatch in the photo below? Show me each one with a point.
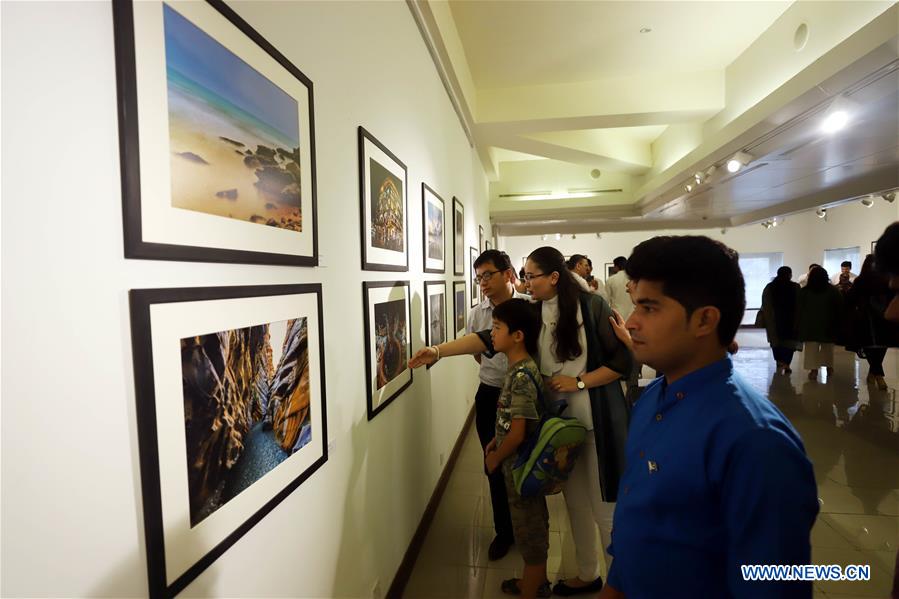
(581, 385)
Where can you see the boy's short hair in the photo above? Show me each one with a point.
(694, 271)
(520, 315)
(846, 263)
(498, 258)
(620, 262)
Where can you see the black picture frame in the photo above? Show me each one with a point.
(369, 262)
(474, 289)
(140, 302)
(460, 303)
(458, 237)
(368, 289)
(608, 268)
(427, 190)
(429, 338)
(141, 243)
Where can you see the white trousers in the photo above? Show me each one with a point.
(587, 510)
(817, 354)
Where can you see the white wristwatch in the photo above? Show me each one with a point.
(581, 385)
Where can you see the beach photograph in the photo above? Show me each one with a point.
(387, 223)
(234, 135)
(246, 408)
(390, 340)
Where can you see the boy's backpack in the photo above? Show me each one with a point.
(546, 457)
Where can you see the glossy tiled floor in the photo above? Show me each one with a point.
(851, 433)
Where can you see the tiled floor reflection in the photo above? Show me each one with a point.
(850, 431)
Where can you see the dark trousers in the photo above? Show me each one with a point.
(783, 354)
(875, 356)
(485, 421)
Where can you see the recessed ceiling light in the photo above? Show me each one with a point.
(646, 30)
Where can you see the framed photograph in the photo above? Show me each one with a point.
(433, 223)
(474, 288)
(216, 136)
(481, 238)
(458, 237)
(435, 313)
(388, 342)
(230, 388)
(459, 304)
(608, 269)
(382, 194)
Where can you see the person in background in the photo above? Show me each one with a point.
(845, 269)
(716, 477)
(803, 279)
(591, 280)
(886, 261)
(494, 274)
(617, 288)
(869, 332)
(820, 308)
(780, 304)
(520, 284)
(579, 268)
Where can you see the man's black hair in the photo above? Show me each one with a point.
(572, 262)
(694, 271)
(846, 263)
(499, 259)
(620, 262)
(520, 315)
(886, 252)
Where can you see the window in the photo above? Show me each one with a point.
(833, 258)
(758, 270)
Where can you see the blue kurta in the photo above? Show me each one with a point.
(716, 477)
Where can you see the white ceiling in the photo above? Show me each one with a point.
(552, 91)
(511, 43)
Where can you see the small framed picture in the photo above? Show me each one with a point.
(435, 313)
(216, 136)
(481, 238)
(433, 219)
(608, 269)
(388, 342)
(459, 304)
(458, 237)
(230, 389)
(383, 206)
(475, 289)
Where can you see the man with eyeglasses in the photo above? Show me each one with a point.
(495, 276)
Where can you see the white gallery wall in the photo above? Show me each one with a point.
(71, 500)
(801, 237)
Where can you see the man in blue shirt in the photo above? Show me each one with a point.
(716, 477)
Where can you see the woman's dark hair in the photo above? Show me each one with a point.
(818, 279)
(520, 315)
(572, 262)
(499, 259)
(694, 271)
(867, 265)
(784, 274)
(886, 252)
(550, 260)
(521, 274)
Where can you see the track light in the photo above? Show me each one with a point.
(773, 222)
(710, 171)
(868, 201)
(599, 235)
(574, 236)
(688, 187)
(543, 238)
(738, 161)
(821, 212)
(699, 177)
(889, 196)
(558, 236)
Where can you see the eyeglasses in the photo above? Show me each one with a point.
(530, 277)
(485, 276)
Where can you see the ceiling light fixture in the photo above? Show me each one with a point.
(543, 238)
(699, 177)
(688, 187)
(738, 161)
(838, 114)
(821, 212)
(599, 235)
(558, 236)
(868, 201)
(646, 30)
(889, 196)
(710, 171)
